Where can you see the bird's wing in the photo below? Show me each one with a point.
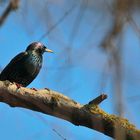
(12, 65)
(18, 58)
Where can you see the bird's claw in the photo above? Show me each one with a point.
(18, 85)
(34, 89)
(47, 89)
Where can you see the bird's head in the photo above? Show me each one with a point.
(37, 47)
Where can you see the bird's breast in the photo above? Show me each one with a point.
(35, 60)
(33, 64)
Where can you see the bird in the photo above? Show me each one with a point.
(25, 66)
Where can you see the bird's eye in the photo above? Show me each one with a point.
(44, 47)
(39, 50)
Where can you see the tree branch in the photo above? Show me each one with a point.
(56, 104)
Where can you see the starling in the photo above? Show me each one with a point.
(24, 67)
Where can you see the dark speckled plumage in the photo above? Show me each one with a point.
(24, 67)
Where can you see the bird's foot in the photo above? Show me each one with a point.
(34, 89)
(47, 89)
(18, 85)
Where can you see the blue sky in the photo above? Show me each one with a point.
(77, 74)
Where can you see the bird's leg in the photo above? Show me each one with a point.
(34, 89)
(18, 85)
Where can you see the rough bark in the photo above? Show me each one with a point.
(56, 104)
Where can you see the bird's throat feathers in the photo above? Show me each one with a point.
(35, 58)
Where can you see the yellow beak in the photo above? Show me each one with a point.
(48, 50)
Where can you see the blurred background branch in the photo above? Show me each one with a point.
(13, 5)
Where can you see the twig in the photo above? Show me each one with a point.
(59, 134)
(13, 5)
(57, 23)
(98, 100)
